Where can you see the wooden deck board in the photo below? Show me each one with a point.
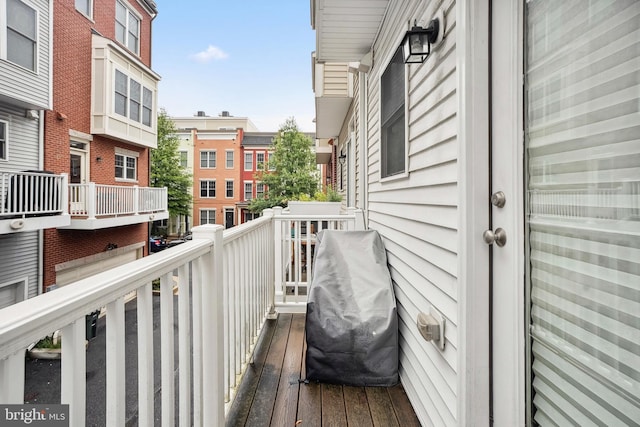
(271, 392)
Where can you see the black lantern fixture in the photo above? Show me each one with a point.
(416, 44)
(342, 158)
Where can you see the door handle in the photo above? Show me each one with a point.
(499, 237)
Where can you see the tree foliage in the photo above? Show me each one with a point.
(166, 170)
(291, 171)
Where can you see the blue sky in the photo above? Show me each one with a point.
(249, 57)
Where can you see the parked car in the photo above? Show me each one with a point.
(157, 243)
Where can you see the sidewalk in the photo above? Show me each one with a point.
(42, 377)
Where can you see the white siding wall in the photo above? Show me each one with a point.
(418, 216)
(19, 256)
(22, 140)
(28, 88)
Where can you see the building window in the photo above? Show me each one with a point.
(248, 190)
(259, 190)
(3, 141)
(393, 123)
(248, 161)
(183, 159)
(272, 165)
(132, 100)
(22, 34)
(229, 189)
(85, 7)
(260, 161)
(207, 216)
(207, 159)
(147, 106)
(126, 167)
(229, 159)
(207, 188)
(127, 27)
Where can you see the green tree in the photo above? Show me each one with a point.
(291, 170)
(166, 170)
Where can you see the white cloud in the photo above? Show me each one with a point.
(210, 54)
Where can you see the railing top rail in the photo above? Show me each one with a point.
(24, 323)
(238, 231)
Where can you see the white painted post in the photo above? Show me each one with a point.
(91, 200)
(136, 200)
(64, 194)
(167, 363)
(196, 297)
(360, 222)
(145, 352)
(12, 379)
(278, 261)
(116, 396)
(212, 327)
(73, 389)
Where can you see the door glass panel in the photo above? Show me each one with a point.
(582, 77)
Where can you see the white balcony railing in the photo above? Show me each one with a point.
(96, 200)
(32, 194)
(227, 282)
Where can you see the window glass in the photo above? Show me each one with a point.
(259, 189)
(248, 190)
(229, 189)
(127, 27)
(207, 188)
(85, 7)
(3, 141)
(207, 159)
(21, 34)
(147, 106)
(260, 161)
(134, 101)
(248, 161)
(393, 147)
(229, 159)
(120, 102)
(125, 167)
(207, 216)
(183, 159)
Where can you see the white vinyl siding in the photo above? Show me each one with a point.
(25, 58)
(23, 133)
(583, 122)
(19, 258)
(418, 216)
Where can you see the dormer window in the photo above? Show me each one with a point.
(127, 27)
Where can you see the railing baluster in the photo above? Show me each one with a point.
(227, 310)
(12, 379)
(167, 348)
(74, 371)
(197, 306)
(237, 312)
(115, 363)
(184, 336)
(145, 351)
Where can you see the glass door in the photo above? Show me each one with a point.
(582, 174)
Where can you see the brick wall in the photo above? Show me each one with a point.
(72, 111)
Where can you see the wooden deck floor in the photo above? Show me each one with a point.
(271, 393)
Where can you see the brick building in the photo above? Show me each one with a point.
(99, 131)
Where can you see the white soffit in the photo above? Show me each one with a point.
(345, 29)
(330, 114)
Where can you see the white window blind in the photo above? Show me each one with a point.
(583, 149)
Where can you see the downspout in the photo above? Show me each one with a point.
(41, 231)
(364, 149)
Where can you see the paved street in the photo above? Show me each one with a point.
(42, 382)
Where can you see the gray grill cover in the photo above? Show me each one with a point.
(351, 324)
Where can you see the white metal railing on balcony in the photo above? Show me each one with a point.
(227, 281)
(32, 194)
(96, 200)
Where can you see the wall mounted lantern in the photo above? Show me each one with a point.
(342, 158)
(416, 44)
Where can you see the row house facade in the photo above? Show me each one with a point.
(255, 159)
(210, 149)
(99, 130)
(500, 166)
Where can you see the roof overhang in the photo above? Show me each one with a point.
(330, 114)
(346, 29)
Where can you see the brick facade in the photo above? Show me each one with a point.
(72, 63)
